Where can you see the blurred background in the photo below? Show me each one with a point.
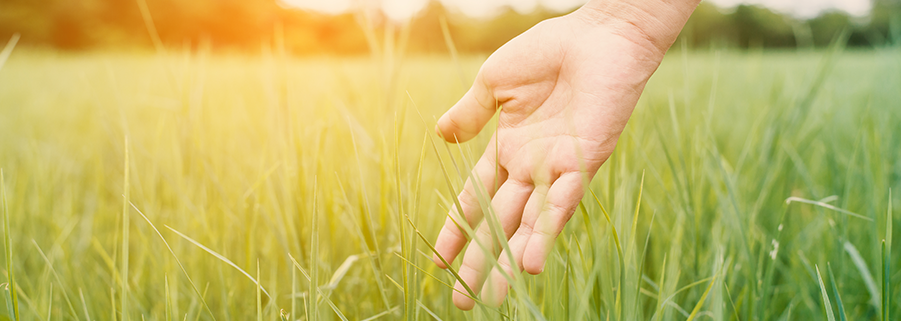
(154, 154)
(349, 27)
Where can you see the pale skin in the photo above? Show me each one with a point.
(567, 86)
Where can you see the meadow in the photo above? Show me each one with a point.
(749, 185)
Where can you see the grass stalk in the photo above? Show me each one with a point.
(123, 296)
(887, 262)
(177, 260)
(259, 296)
(827, 305)
(8, 249)
(838, 296)
(313, 290)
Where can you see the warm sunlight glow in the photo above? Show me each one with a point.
(405, 9)
(329, 6)
(489, 8)
(402, 9)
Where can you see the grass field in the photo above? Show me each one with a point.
(162, 186)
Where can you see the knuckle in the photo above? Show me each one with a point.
(541, 232)
(506, 268)
(483, 233)
(469, 203)
(520, 184)
(556, 210)
(453, 230)
(469, 264)
(525, 228)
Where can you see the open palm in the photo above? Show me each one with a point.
(567, 88)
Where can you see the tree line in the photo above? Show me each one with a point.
(251, 25)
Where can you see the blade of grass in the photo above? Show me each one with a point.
(193, 303)
(865, 274)
(8, 50)
(409, 299)
(177, 260)
(112, 297)
(644, 253)
(888, 224)
(886, 284)
(8, 246)
(497, 235)
(449, 267)
(23, 298)
(825, 205)
(632, 235)
(449, 42)
(678, 308)
(694, 312)
(474, 298)
(731, 302)
(769, 274)
(313, 289)
(886, 262)
(7, 299)
(826, 304)
(619, 250)
(340, 272)
(660, 293)
(318, 290)
(427, 310)
(56, 276)
(123, 297)
(633, 244)
(373, 263)
(168, 299)
(434, 277)
(689, 286)
(368, 224)
(259, 297)
(838, 296)
(150, 26)
(221, 258)
(465, 227)
(450, 185)
(84, 304)
(397, 285)
(50, 303)
(381, 314)
(589, 227)
(293, 290)
(469, 293)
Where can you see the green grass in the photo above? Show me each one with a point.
(307, 188)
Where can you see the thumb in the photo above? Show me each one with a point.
(467, 117)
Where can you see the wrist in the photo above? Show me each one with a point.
(655, 23)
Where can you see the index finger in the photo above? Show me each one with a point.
(452, 237)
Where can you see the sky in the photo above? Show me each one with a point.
(404, 9)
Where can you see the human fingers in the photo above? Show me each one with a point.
(452, 237)
(496, 286)
(508, 206)
(469, 115)
(562, 199)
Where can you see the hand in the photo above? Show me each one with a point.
(567, 87)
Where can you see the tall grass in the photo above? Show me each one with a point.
(263, 167)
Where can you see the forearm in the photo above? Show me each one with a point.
(657, 22)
